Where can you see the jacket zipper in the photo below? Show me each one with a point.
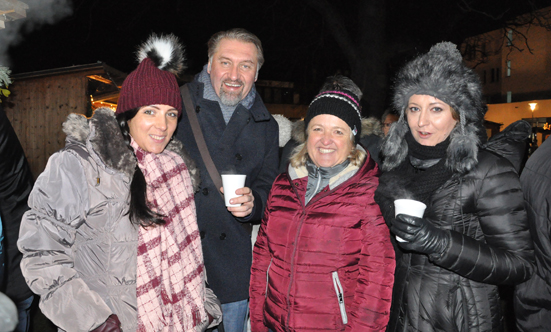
(340, 296)
(292, 272)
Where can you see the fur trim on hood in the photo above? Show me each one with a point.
(298, 132)
(103, 138)
(372, 126)
(440, 73)
(285, 127)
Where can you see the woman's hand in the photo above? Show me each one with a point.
(246, 201)
(112, 324)
(420, 235)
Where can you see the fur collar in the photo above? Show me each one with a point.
(297, 131)
(103, 139)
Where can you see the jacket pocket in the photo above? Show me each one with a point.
(340, 296)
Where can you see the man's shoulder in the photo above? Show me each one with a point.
(260, 112)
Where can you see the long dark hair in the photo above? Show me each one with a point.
(140, 213)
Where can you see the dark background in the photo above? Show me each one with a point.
(304, 40)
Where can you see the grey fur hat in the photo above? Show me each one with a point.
(440, 73)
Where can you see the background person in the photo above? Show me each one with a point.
(242, 137)
(16, 182)
(323, 259)
(387, 119)
(474, 234)
(533, 298)
(111, 241)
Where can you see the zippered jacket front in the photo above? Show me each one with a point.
(327, 265)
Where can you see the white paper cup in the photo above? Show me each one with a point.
(410, 207)
(232, 182)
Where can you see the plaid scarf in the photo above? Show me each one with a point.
(171, 278)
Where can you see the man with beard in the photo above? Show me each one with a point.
(242, 138)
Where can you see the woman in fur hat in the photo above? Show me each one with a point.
(323, 259)
(474, 234)
(111, 241)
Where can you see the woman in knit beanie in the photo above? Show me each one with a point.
(323, 244)
(111, 242)
(474, 233)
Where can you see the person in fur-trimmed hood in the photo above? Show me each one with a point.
(474, 234)
(111, 242)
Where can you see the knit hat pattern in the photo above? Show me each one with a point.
(442, 74)
(343, 104)
(153, 82)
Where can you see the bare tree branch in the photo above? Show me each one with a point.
(466, 6)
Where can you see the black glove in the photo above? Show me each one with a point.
(112, 324)
(421, 235)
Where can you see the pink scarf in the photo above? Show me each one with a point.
(171, 278)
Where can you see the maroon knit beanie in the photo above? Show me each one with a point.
(154, 81)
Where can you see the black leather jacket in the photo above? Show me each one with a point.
(490, 245)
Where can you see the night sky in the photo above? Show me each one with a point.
(297, 42)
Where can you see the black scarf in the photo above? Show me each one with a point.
(422, 173)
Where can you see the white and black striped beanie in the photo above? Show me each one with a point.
(341, 103)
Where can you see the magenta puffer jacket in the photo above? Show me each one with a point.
(328, 265)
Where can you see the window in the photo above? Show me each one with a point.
(509, 37)
(492, 75)
(508, 68)
(509, 96)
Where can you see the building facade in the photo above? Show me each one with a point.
(514, 65)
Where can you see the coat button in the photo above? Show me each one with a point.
(205, 191)
(197, 109)
(202, 234)
(222, 236)
(238, 156)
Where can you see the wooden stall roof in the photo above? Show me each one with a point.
(40, 101)
(97, 71)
